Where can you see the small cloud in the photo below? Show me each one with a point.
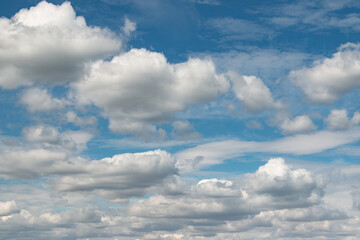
(338, 119)
(300, 124)
(128, 27)
(252, 93)
(39, 100)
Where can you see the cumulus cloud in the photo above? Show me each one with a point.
(49, 44)
(252, 92)
(139, 88)
(122, 176)
(330, 78)
(50, 137)
(338, 119)
(299, 124)
(117, 178)
(273, 186)
(39, 100)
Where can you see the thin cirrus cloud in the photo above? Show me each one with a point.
(49, 44)
(301, 144)
(239, 29)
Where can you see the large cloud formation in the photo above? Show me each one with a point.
(138, 88)
(49, 44)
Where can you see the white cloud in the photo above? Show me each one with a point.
(7, 208)
(273, 186)
(122, 176)
(44, 134)
(301, 144)
(129, 26)
(39, 100)
(49, 44)
(338, 119)
(330, 78)
(139, 88)
(356, 118)
(252, 92)
(299, 124)
(49, 137)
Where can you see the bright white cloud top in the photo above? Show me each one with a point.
(49, 44)
(179, 119)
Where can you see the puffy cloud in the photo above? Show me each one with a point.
(138, 88)
(122, 176)
(330, 78)
(39, 100)
(252, 92)
(118, 178)
(338, 119)
(50, 137)
(299, 124)
(49, 44)
(40, 133)
(273, 186)
(7, 208)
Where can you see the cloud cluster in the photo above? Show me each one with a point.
(49, 44)
(122, 176)
(277, 200)
(330, 78)
(219, 202)
(338, 119)
(139, 88)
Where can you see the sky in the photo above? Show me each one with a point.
(179, 119)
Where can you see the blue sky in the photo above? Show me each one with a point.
(181, 119)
